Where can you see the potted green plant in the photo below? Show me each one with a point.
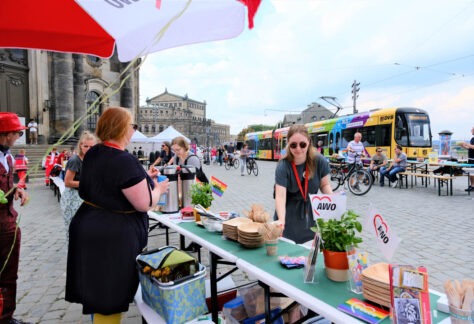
(201, 193)
(336, 236)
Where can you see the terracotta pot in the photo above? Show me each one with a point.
(197, 216)
(337, 267)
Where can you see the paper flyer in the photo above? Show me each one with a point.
(364, 311)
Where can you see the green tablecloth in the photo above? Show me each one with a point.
(332, 293)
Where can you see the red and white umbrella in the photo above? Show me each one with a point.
(135, 27)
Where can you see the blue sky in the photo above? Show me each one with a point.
(404, 53)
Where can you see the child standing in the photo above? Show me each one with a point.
(21, 168)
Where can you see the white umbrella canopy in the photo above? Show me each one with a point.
(167, 136)
(133, 28)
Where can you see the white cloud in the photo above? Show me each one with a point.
(301, 50)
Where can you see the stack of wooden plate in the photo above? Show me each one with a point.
(251, 235)
(229, 228)
(376, 284)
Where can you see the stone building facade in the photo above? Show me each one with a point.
(186, 115)
(62, 90)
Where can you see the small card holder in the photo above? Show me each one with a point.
(358, 261)
(310, 264)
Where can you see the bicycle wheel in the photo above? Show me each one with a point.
(255, 168)
(335, 177)
(236, 163)
(227, 164)
(360, 182)
(249, 167)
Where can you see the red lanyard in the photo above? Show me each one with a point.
(298, 181)
(109, 144)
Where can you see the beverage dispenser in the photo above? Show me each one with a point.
(171, 205)
(187, 174)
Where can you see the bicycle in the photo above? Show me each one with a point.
(359, 180)
(252, 166)
(228, 163)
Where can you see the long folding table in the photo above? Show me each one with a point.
(323, 296)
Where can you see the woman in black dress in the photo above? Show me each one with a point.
(300, 172)
(110, 228)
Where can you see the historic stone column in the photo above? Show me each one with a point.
(79, 92)
(126, 93)
(63, 96)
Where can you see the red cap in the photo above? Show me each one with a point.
(9, 122)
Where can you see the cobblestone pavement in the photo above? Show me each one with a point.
(436, 232)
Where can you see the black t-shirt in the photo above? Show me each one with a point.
(75, 164)
(470, 152)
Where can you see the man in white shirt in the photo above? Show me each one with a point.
(33, 127)
(354, 148)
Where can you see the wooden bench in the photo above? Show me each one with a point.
(57, 185)
(441, 179)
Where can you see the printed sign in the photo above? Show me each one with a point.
(328, 206)
(386, 238)
(433, 157)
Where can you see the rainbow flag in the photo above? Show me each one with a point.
(367, 312)
(218, 187)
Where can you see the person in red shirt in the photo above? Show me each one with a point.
(11, 130)
(21, 168)
(51, 160)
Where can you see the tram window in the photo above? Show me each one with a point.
(383, 137)
(338, 144)
(347, 136)
(368, 136)
(401, 131)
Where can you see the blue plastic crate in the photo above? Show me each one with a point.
(274, 312)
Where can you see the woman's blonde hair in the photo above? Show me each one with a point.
(86, 136)
(310, 153)
(114, 124)
(181, 142)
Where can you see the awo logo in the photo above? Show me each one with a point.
(323, 204)
(381, 228)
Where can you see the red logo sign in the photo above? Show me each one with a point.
(320, 199)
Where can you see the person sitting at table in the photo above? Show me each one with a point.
(378, 160)
(470, 158)
(165, 155)
(110, 228)
(399, 165)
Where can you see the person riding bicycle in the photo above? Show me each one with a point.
(230, 152)
(244, 154)
(355, 150)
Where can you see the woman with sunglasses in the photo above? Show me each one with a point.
(300, 172)
(165, 155)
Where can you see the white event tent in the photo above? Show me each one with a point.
(139, 137)
(167, 136)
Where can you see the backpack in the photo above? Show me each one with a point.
(199, 172)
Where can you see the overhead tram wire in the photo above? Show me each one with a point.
(441, 27)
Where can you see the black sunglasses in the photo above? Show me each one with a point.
(20, 133)
(295, 145)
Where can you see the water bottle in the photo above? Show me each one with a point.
(163, 196)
